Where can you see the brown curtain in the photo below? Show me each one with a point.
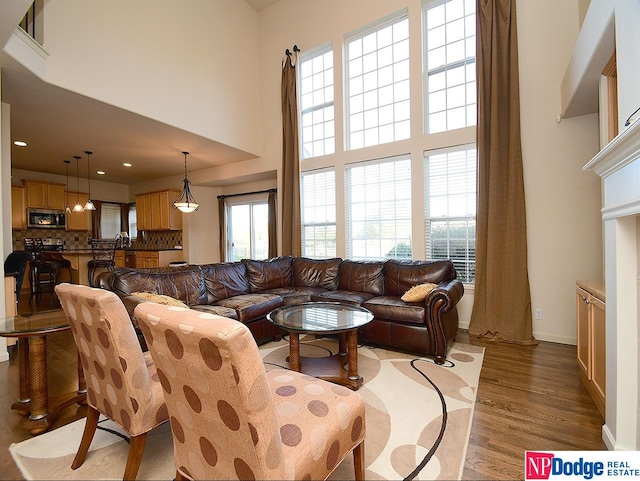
(273, 227)
(124, 217)
(291, 224)
(502, 305)
(96, 217)
(222, 216)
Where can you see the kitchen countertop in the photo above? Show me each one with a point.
(129, 249)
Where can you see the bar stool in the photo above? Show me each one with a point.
(104, 251)
(44, 270)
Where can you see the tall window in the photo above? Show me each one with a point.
(450, 208)
(450, 56)
(316, 103)
(377, 73)
(248, 231)
(110, 220)
(318, 191)
(379, 210)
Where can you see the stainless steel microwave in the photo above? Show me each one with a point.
(46, 219)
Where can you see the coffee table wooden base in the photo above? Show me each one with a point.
(340, 368)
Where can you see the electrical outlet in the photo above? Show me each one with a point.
(538, 314)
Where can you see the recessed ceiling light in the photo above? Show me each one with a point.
(100, 172)
(126, 164)
(20, 143)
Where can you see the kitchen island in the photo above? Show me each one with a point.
(131, 257)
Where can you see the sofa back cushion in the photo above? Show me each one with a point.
(225, 280)
(400, 276)
(184, 283)
(362, 276)
(269, 274)
(316, 272)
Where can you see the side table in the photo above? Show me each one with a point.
(31, 333)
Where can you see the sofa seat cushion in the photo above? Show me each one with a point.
(296, 295)
(348, 297)
(395, 309)
(218, 310)
(252, 306)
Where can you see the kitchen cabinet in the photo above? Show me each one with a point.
(78, 220)
(44, 195)
(119, 258)
(154, 211)
(591, 321)
(148, 259)
(18, 208)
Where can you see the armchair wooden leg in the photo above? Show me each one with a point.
(358, 461)
(136, 449)
(87, 436)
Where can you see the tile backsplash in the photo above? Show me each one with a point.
(80, 240)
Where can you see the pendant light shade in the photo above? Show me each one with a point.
(67, 208)
(89, 205)
(185, 202)
(78, 207)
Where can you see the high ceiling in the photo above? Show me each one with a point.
(59, 124)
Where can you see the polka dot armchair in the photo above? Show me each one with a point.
(122, 382)
(231, 419)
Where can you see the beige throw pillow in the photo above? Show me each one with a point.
(418, 293)
(160, 299)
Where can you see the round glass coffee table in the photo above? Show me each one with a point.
(324, 318)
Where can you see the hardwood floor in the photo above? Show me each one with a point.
(529, 398)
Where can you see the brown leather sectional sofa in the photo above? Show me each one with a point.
(248, 290)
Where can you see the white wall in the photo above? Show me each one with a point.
(192, 64)
(564, 226)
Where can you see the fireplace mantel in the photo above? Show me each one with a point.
(618, 164)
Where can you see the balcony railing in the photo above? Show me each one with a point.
(32, 21)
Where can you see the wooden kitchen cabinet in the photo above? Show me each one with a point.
(44, 195)
(18, 208)
(154, 211)
(78, 220)
(590, 308)
(119, 258)
(147, 259)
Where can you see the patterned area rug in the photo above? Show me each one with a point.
(418, 421)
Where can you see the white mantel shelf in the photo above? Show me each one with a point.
(621, 151)
(618, 164)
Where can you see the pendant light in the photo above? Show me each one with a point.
(185, 202)
(78, 207)
(89, 205)
(67, 208)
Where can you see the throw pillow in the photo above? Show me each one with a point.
(418, 293)
(160, 299)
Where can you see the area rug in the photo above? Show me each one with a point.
(418, 419)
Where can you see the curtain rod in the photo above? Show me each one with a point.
(295, 49)
(268, 191)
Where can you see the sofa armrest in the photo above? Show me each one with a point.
(450, 291)
(130, 302)
(442, 321)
